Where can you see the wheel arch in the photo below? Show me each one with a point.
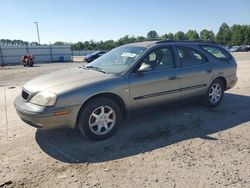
(120, 102)
(223, 80)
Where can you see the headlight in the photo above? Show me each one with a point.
(44, 99)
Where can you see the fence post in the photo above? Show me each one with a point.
(1, 57)
(72, 52)
(51, 55)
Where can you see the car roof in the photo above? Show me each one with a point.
(147, 44)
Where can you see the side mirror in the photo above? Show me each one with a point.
(144, 68)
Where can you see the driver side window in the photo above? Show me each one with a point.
(161, 58)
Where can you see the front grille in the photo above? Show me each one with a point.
(25, 95)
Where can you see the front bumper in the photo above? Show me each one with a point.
(44, 117)
(231, 81)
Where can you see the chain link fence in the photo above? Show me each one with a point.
(44, 53)
(83, 52)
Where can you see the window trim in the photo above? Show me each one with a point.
(228, 55)
(199, 52)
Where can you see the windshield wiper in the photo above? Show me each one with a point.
(95, 68)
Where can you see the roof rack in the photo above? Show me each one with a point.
(152, 39)
(163, 41)
(189, 41)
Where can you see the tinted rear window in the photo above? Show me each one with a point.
(217, 52)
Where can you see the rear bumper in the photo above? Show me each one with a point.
(42, 117)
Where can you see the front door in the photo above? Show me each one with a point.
(156, 80)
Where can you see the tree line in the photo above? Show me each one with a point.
(235, 35)
(8, 42)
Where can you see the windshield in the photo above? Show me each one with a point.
(118, 60)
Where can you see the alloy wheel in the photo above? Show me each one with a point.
(102, 120)
(215, 93)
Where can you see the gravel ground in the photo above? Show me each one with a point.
(185, 146)
(18, 75)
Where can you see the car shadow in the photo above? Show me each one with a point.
(147, 132)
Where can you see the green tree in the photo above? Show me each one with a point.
(180, 35)
(152, 35)
(132, 39)
(238, 37)
(92, 45)
(224, 35)
(123, 40)
(86, 45)
(59, 43)
(110, 44)
(170, 36)
(192, 35)
(78, 46)
(140, 39)
(207, 35)
(246, 30)
(15, 42)
(164, 37)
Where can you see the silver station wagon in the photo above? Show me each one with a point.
(95, 98)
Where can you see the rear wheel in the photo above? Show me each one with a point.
(214, 94)
(99, 118)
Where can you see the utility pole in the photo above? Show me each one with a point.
(37, 30)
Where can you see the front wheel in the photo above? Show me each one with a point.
(99, 118)
(214, 94)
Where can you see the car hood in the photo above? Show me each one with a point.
(64, 80)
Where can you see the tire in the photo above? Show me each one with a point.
(214, 94)
(99, 118)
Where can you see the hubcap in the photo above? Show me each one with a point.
(102, 120)
(215, 93)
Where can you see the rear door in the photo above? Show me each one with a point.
(195, 71)
(160, 83)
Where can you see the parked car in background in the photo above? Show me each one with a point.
(91, 57)
(96, 97)
(245, 48)
(226, 47)
(235, 49)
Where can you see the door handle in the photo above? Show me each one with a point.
(209, 70)
(173, 77)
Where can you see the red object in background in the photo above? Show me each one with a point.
(27, 60)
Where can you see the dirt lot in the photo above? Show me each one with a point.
(186, 146)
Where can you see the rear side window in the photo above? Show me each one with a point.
(189, 56)
(217, 52)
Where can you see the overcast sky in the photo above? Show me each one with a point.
(80, 20)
